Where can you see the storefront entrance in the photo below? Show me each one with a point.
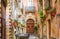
(29, 26)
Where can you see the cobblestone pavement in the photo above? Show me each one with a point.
(33, 37)
(26, 35)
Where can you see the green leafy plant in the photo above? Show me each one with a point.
(53, 13)
(48, 12)
(54, 10)
(41, 14)
(47, 8)
(35, 28)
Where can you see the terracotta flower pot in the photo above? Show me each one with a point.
(53, 13)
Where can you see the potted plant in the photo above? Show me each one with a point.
(53, 12)
(41, 14)
(47, 8)
(35, 29)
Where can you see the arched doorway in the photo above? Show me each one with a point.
(29, 26)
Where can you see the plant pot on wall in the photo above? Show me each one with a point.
(41, 14)
(47, 9)
(53, 13)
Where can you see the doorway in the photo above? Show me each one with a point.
(29, 26)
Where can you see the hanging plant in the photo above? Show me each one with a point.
(53, 12)
(41, 14)
(48, 12)
(47, 8)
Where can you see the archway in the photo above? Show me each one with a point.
(29, 26)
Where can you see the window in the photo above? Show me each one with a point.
(30, 2)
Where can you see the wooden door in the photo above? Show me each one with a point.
(29, 26)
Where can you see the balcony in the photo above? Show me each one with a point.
(30, 9)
